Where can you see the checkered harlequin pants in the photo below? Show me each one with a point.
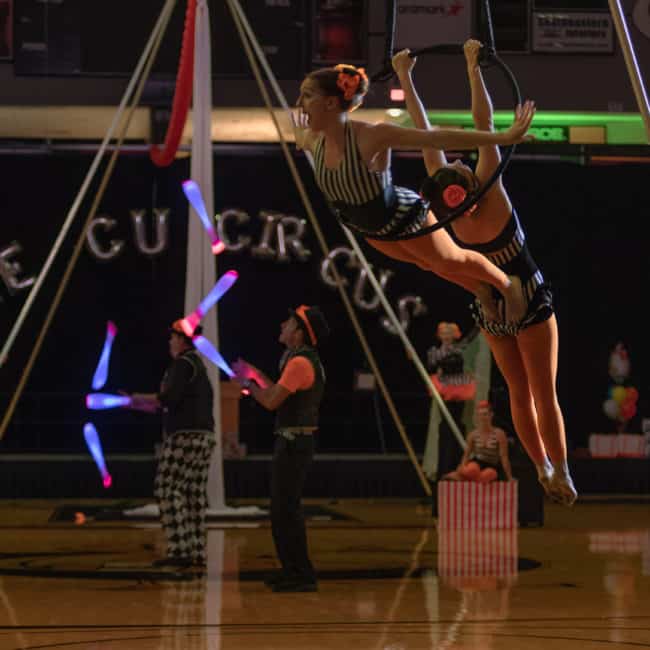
(180, 488)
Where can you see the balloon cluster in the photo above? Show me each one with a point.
(621, 401)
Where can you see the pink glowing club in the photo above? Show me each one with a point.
(193, 194)
(101, 372)
(103, 401)
(224, 283)
(95, 448)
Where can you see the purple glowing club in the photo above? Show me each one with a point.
(101, 372)
(95, 448)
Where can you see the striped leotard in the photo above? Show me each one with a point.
(365, 200)
(486, 453)
(486, 448)
(509, 251)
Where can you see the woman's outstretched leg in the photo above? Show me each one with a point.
(522, 407)
(397, 251)
(400, 251)
(447, 259)
(539, 351)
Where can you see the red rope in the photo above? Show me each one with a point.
(162, 157)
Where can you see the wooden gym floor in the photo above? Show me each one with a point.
(388, 581)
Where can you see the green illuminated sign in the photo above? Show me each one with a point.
(553, 126)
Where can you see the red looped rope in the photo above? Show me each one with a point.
(162, 157)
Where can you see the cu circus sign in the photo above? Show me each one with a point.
(281, 241)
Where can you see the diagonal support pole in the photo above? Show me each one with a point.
(147, 60)
(631, 63)
(410, 350)
(248, 38)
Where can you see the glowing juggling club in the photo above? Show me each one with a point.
(103, 401)
(101, 372)
(210, 352)
(95, 448)
(193, 194)
(224, 283)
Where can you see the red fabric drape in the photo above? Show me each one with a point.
(162, 157)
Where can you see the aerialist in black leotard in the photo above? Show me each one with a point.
(525, 350)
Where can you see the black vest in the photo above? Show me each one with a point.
(301, 408)
(193, 411)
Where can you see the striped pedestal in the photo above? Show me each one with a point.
(477, 506)
(466, 554)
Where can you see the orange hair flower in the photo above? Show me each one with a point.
(349, 79)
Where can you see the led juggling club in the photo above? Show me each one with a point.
(224, 283)
(103, 401)
(210, 352)
(95, 448)
(101, 372)
(193, 194)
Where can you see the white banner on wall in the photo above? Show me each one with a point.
(421, 23)
(567, 32)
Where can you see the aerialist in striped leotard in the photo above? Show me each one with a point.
(352, 168)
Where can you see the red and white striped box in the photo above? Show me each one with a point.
(464, 553)
(477, 506)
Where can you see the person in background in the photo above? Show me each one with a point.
(486, 457)
(446, 363)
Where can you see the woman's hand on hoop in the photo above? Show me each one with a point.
(472, 49)
(523, 117)
(403, 63)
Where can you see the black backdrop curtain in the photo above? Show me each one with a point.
(584, 227)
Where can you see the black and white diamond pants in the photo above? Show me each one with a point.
(180, 488)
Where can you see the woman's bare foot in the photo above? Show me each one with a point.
(562, 489)
(515, 300)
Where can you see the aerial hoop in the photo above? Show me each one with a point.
(488, 58)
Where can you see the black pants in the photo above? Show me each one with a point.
(291, 458)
